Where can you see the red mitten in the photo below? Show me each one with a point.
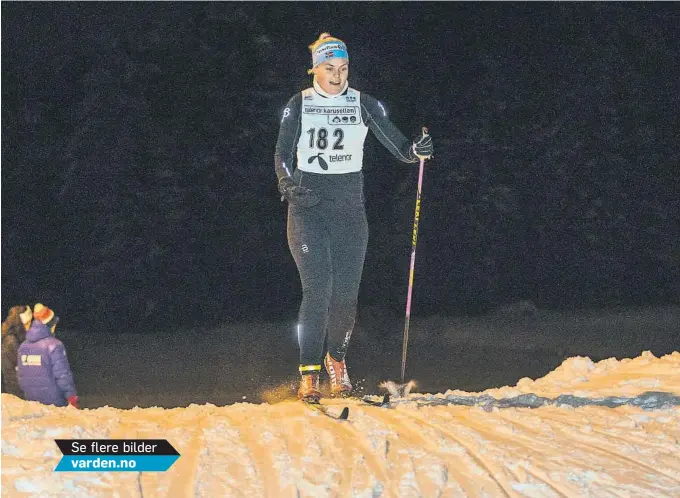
(73, 401)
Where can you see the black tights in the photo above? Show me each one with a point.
(328, 242)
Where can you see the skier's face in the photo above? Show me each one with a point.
(331, 75)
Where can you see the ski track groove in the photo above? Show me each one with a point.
(393, 446)
(372, 461)
(242, 468)
(296, 444)
(389, 415)
(632, 439)
(140, 488)
(382, 472)
(340, 450)
(450, 434)
(601, 450)
(258, 454)
(411, 467)
(127, 430)
(181, 486)
(529, 445)
(578, 442)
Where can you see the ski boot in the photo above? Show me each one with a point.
(309, 388)
(337, 371)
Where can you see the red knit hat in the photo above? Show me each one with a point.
(42, 313)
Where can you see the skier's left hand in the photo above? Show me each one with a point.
(297, 194)
(422, 146)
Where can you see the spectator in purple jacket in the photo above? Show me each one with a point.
(44, 372)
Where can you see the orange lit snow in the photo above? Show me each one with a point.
(287, 450)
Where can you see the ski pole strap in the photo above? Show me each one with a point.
(307, 369)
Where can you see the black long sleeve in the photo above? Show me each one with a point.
(289, 133)
(374, 115)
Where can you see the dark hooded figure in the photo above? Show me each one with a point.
(13, 334)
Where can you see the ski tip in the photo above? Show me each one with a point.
(344, 414)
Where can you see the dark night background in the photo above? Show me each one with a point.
(138, 189)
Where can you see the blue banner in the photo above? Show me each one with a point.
(115, 463)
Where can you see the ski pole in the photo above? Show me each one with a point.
(414, 240)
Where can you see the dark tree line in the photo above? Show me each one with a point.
(138, 184)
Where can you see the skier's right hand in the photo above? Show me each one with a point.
(297, 194)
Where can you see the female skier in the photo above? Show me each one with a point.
(325, 127)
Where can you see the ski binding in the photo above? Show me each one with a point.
(344, 414)
(384, 403)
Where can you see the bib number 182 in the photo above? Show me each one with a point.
(320, 139)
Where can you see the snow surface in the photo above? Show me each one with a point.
(413, 450)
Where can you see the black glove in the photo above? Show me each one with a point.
(296, 194)
(422, 146)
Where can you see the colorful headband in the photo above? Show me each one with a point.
(332, 48)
